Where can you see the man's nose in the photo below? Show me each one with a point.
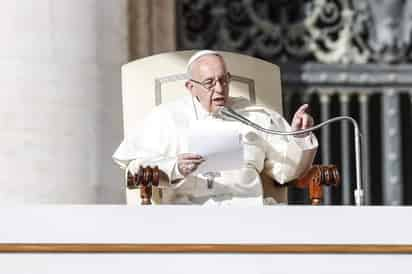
(219, 87)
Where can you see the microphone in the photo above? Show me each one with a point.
(358, 193)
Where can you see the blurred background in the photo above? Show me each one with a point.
(61, 112)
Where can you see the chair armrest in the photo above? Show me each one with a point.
(317, 177)
(144, 179)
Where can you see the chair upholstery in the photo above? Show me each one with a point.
(160, 78)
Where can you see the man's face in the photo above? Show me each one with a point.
(212, 82)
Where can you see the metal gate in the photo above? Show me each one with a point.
(344, 57)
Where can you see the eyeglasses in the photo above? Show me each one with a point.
(211, 83)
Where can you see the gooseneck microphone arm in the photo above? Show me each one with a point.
(230, 113)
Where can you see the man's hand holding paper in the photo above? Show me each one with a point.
(188, 163)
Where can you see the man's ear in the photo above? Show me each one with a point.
(189, 86)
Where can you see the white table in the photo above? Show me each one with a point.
(282, 225)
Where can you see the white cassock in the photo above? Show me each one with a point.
(164, 135)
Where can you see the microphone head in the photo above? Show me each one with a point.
(227, 113)
(221, 109)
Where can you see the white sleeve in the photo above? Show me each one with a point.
(150, 147)
(287, 157)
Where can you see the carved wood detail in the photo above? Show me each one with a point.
(317, 177)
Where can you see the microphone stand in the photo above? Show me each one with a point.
(358, 193)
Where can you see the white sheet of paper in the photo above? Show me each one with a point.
(219, 142)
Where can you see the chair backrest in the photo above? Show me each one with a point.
(153, 80)
(160, 78)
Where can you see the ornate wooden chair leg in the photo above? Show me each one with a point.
(315, 193)
(146, 194)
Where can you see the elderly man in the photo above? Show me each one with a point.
(164, 143)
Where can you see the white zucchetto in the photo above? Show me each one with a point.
(199, 54)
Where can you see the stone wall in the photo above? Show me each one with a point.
(60, 103)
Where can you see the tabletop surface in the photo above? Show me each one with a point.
(199, 225)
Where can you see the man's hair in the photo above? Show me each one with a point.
(196, 56)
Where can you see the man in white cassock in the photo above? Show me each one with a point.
(267, 158)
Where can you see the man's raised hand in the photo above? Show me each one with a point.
(302, 119)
